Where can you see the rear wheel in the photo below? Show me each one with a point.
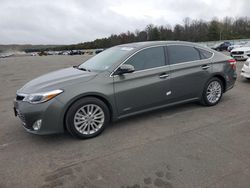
(213, 92)
(87, 118)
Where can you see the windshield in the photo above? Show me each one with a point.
(105, 59)
(218, 44)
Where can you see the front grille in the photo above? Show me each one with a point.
(19, 97)
(238, 53)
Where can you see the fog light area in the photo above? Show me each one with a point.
(37, 125)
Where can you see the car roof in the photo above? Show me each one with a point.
(139, 45)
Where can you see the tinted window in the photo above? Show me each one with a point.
(148, 58)
(180, 54)
(205, 54)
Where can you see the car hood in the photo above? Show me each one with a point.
(235, 46)
(241, 49)
(56, 80)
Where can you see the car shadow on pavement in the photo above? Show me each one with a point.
(244, 81)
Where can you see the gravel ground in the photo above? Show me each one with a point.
(185, 146)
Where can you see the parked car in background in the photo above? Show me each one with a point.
(65, 53)
(122, 81)
(33, 54)
(241, 44)
(76, 52)
(90, 52)
(241, 53)
(245, 72)
(50, 53)
(222, 46)
(42, 53)
(99, 51)
(4, 55)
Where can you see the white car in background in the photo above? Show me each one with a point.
(245, 72)
(241, 53)
(238, 45)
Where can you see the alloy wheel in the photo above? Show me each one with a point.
(89, 119)
(214, 92)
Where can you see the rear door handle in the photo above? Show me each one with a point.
(164, 75)
(205, 67)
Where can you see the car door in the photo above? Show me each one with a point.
(190, 69)
(145, 88)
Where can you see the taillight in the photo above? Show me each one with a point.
(232, 63)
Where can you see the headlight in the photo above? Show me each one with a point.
(42, 97)
(247, 63)
(247, 52)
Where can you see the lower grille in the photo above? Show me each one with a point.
(237, 53)
(21, 117)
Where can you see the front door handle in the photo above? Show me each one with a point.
(164, 75)
(205, 67)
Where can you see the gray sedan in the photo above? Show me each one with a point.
(122, 81)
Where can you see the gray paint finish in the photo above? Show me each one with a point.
(126, 94)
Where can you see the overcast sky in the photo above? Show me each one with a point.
(75, 21)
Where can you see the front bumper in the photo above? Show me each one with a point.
(51, 114)
(241, 56)
(245, 72)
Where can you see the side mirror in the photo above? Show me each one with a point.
(125, 68)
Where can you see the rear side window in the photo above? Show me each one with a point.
(205, 54)
(179, 54)
(148, 58)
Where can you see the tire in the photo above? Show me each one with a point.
(248, 79)
(87, 118)
(215, 95)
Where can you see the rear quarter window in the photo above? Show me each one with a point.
(180, 54)
(205, 54)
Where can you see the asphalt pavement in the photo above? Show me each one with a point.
(184, 146)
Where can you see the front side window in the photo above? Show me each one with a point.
(148, 58)
(180, 54)
(106, 59)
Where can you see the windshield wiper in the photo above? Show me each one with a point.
(81, 68)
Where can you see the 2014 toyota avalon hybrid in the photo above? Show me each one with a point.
(121, 81)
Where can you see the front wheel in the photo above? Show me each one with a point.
(87, 118)
(213, 92)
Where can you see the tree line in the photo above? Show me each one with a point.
(191, 30)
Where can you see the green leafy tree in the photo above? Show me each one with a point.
(190, 30)
(214, 31)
